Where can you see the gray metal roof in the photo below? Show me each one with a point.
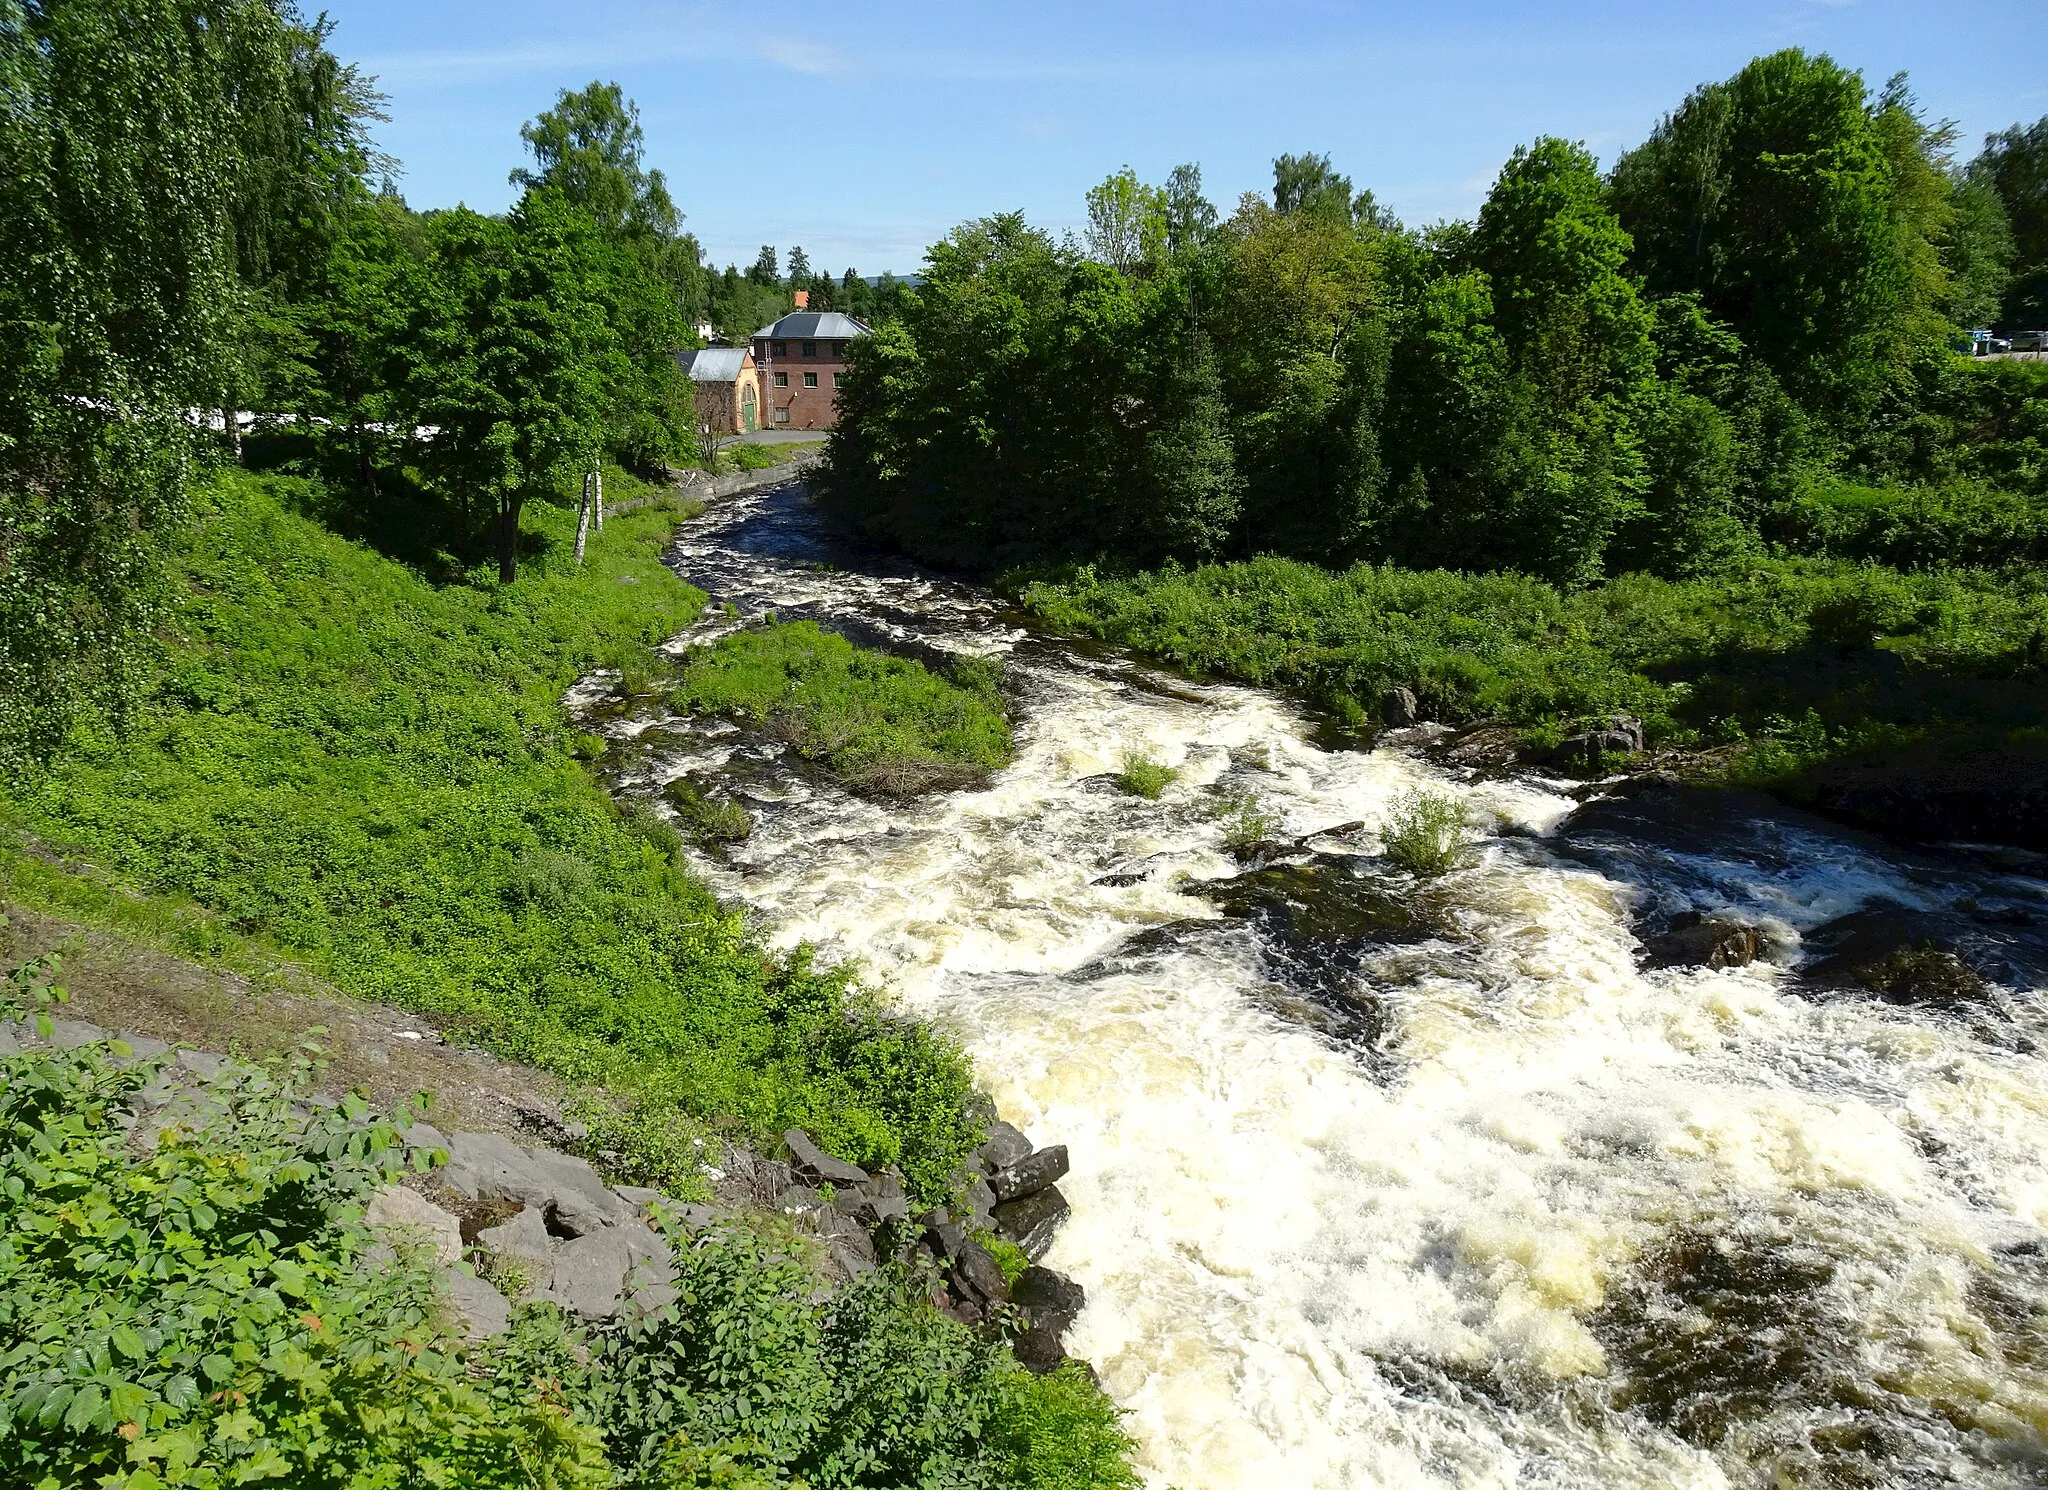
(714, 364)
(812, 325)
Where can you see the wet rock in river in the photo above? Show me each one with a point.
(1695, 940)
(1399, 709)
(1004, 1146)
(1898, 954)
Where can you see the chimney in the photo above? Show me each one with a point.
(803, 299)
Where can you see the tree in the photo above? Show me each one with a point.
(1190, 216)
(799, 268)
(2014, 165)
(1770, 195)
(765, 272)
(129, 134)
(514, 357)
(1127, 222)
(1306, 185)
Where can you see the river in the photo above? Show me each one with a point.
(1380, 1184)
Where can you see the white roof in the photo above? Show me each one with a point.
(810, 325)
(714, 364)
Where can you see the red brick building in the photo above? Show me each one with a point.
(802, 358)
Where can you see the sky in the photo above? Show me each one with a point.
(864, 133)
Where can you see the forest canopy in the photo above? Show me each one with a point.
(1660, 367)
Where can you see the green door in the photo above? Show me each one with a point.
(747, 408)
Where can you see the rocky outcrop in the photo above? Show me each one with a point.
(1901, 956)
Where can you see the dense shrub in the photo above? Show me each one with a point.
(1914, 528)
(375, 774)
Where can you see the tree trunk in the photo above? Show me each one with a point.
(231, 422)
(583, 518)
(599, 473)
(508, 539)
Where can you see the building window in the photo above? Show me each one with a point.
(782, 380)
(810, 380)
(839, 349)
(782, 416)
(839, 380)
(778, 349)
(810, 349)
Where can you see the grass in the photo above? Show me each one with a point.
(1144, 775)
(875, 722)
(344, 766)
(1425, 833)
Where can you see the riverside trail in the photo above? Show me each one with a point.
(1384, 1183)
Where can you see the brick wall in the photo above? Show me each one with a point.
(809, 407)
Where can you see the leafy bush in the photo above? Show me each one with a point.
(200, 1308)
(1914, 528)
(1246, 820)
(374, 775)
(1144, 775)
(204, 1308)
(751, 457)
(1425, 833)
(878, 723)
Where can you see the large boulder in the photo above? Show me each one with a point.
(1901, 955)
(1034, 1220)
(479, 1309)
(979, 1276)
(567, 1191)
(1031, 1174)
(1004, 1146)
(1049, 1298)
(403, 1215)
(524, 1241)
(814, 1166)
(589, 1277)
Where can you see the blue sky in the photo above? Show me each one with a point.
(864, 132)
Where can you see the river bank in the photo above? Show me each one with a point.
(1379, 1181)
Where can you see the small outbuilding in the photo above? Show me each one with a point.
(728, 389)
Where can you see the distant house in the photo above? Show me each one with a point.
(803, 359)
(728, 388)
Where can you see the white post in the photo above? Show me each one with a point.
(583, 517)
(599, 474)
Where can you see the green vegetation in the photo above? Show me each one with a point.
(1795, 659)
(1246, 820)
(373, 774)
(1687, 440)
(711, 821)
(203, 1308)
(878, 723)
(1425, 833)
(1145, 775)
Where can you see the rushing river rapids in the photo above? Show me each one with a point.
(1379, 1184)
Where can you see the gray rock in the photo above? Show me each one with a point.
(523, 1240)
(145, 1047)
(590, 1274)
(419, 1135)
(1004, 1146)
(70, 1034)
(1033, 1221)
(979, 1275)
(201, 1062)
(1588, 750)
(853, 1259)
(695, 1217)
(484, 1166)
(981, 1201)
(947, 1238)
(1050, 1299)
(1399, 709)
(479, 1308)
(404, 1214)
(814, 1165)
(1030, 1175)
(639, 1197)
(10, 1036)
(798, 1200)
